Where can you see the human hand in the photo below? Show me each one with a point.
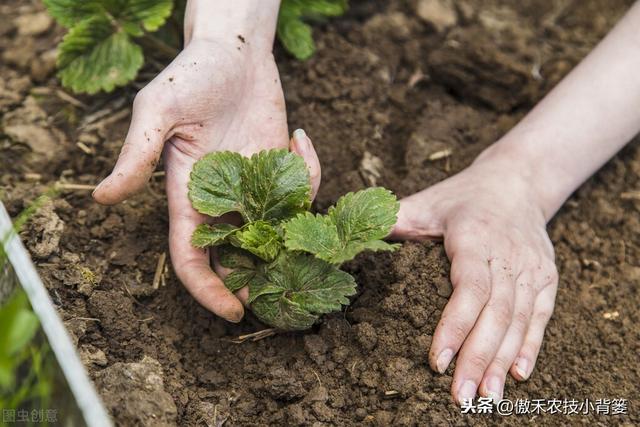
(502, 270)
(216, 95)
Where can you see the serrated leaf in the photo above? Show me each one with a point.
(238, 279)
(272, 185)
(232, 257)
(70, 12)
(365, 215)
(211, 235)
(215, 186)
(316, 234)
(358, 222)
(150, 14)
(282, 313)
(292, 291)
(276, 185)
(261, 239)
(93, 57)
(316, 285)
(132, 15)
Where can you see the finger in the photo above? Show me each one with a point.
(528, 354)
(418, 218)
(139, 154)
(471, 288)
(192, 264)
(492, 385)
(488, 333)
(302, 145)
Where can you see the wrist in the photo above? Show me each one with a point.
(250, 22)
(518, 163)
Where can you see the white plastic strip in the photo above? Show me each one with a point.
(86, 397)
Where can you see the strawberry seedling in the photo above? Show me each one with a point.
(288, 257)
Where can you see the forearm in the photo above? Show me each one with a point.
(253, 21)
(582, 122)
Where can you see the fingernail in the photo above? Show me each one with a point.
(236, 317)
(494, 389)
(522, 367)
(299, 134)
(467, 391)
(302, 141)
(444, 358)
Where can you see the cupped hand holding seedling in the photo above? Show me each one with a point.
(222, 92)
(287, 257)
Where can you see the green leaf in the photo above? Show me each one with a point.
(23, 329)
(232, 257)
(272, 185)
(292, 291)
(294, 34)
(150, 14)
(133, 15)
(18, 324)
(238, 279)
(261, 239)
(70, 12)
(211, 235)
(365, 215)
(323, 8)
(215, 187)
(316, 285)
(282, 313)
(316, 234)
(276, 185)
(94, 57)
(358, 222)
(243, 265)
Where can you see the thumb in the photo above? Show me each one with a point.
(302, 145)
(418, 219)
(139, 154)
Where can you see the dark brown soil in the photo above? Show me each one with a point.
(385, 91)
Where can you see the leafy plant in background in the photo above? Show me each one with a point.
(26, 363)
(294, 34)
(26, 374)
(287, 256)
(100, 52)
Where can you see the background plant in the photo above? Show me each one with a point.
(101, 50)
(27, 368)
(287, 256)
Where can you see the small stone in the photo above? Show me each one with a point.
(90, 355)
(440, 14)
(366, 335)
(443, 287)
(214, 378)
(135, 391)
(316, 348)
(33, 24)
(318, 394)
(44, 65)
